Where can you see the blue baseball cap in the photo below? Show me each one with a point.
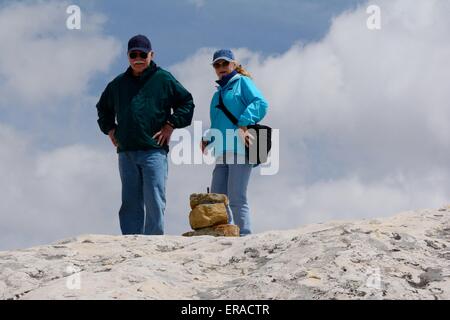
(223, 54)
(139, 43)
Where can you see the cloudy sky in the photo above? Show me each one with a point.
(363, 114)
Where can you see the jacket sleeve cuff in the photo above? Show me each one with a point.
(173, 121)
(106, 131)
(243, 122)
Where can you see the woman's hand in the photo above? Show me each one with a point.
(246, 136)
(203, 145)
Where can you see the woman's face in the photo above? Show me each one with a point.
(223, 67)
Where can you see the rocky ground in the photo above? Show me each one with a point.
(403, 257)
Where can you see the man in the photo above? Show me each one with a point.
(148, 103)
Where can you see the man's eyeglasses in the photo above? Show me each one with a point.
(217, 65)
(135, 54)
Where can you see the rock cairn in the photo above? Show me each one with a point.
(208, 216)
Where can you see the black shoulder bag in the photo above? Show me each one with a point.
(258, 152)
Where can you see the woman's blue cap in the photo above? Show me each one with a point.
(223, 54)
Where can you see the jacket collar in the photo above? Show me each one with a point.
(232, 77)
(151, 69)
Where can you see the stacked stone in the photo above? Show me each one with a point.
(209, 216)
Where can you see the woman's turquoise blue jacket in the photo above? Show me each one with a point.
(244, 100)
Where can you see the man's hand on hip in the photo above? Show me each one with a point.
(163, 136)
(111, 136)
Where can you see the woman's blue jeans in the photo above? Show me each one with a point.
(143, 175)
(232, 180)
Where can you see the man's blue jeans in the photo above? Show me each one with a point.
(144, 176)
(232, 180)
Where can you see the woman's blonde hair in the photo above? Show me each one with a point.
(240, 69)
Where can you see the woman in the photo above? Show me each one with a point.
(232, 172)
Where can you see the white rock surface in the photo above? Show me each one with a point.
(404, 257)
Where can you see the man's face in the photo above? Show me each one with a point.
(139, 61)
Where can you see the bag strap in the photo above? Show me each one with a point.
(221, 106)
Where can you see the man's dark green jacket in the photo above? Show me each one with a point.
(138, 107)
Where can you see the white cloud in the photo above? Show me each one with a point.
(50, 195)
(351, 198)
(41, 61)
